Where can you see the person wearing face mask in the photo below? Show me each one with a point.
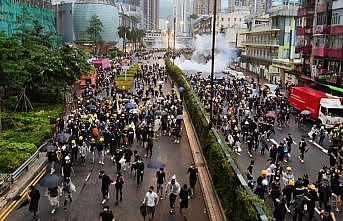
(150, 200)
(173, 189)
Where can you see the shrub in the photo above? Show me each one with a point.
(124, 81)
(237, 203)
(23, 133)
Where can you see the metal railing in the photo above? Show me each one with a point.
(25, 166)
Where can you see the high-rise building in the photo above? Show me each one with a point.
(182, 16)
(204, 7)
(150, 14)
(324, 63)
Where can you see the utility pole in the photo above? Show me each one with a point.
(212, 63)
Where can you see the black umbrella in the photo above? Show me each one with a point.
(50, 148)
(50, 181)
(156, 165)
(143, 210)
(91, 107)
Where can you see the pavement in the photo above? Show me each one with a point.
(86, 200)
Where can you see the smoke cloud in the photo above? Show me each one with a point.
(201, 58)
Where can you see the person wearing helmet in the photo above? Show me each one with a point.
(74, 150)
(67, 168)
(288, 191)
(311, 197)
(288, 175)
(173, 189)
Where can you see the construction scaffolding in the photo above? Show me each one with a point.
(15, 13)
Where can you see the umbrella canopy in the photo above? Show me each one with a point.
(130, 105)
(271, 114)
(91, 107)
(179, 117)
(305, 112)
(50, 181)
(133, 111)
(62, 138)
(156, 165)
(161, 113)
(48, 147)
(181, 89)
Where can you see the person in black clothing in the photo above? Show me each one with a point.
(119, 186)
(193, 176)
(34, 197)
(106, 214)
(311, 197)
(149, 147)
(280, 209)
(52, 159)
(67, 168)
(139, 171)
(105, 183)
(185, 193)
(161, 178)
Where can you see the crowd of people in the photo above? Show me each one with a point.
(112, 126)
(249, 115)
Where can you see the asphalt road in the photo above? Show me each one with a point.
(86, 200)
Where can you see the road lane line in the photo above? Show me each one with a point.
(15, 203)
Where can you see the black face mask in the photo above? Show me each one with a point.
(173, 182)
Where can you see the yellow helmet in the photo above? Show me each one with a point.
(73, 141)
(80, 137)
(101, 139)
(312, 187)
(291, 182)
(289, 168)
(264, 172)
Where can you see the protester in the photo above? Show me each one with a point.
(172, 190)
(34, 197)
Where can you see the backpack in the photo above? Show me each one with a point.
(95, 132)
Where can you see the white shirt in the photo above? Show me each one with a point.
(150, 198)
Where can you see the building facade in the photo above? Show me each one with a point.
(269, 47)
(150, 14)
(205, 7)
(73, 20)
(202, 25)
(183, 13)
(13, 14)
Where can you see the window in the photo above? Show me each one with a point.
(240, 19)
(235, 19)
(228, 19)
(222, 19)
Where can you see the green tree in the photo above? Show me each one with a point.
(94, 31)
(123, 32)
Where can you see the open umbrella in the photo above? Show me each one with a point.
(179, 117)
(133, 111)
(50, 148)
(130, 105)
(161, 113)
(50, 180)
(62, 138)
(305, 112)
(271, 114)
(91, 107)
(181, 89)
(156, 165)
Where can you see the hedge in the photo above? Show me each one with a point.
(23, 133)
(237, 203)
(124, 82)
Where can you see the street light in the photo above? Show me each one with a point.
(212, 63)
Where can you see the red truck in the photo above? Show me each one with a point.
(327, 110)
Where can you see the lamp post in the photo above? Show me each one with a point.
(174, 34)
(212, 63)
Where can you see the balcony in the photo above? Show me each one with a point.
(300, 31)
(323, 29)
(336, 29)
(323, 7)
(320, 51)
(336, 52)
(337, 4)
(259, 56)
(305, 50)
(305, 11)
(269, 43)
